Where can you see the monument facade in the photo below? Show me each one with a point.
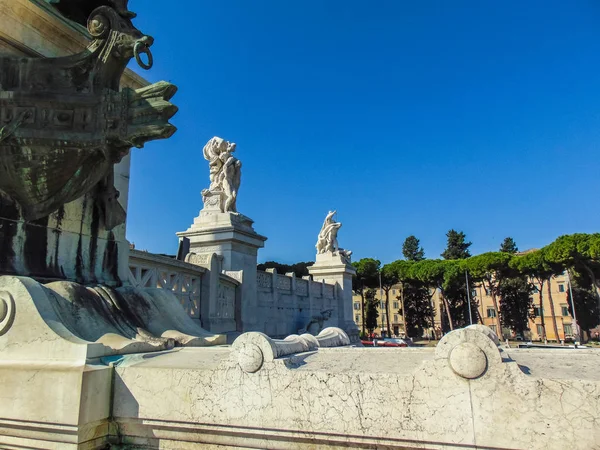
(87, 334)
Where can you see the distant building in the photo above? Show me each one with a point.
(564, 321)
(487, 311)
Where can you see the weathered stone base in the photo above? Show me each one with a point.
(262, 393)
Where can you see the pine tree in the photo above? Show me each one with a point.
(457, 247)
(412, 250)
(509, 246)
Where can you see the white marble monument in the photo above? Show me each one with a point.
(222, 230)
(333, 265)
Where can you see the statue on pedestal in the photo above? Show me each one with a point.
(225, 175)
(327, 241)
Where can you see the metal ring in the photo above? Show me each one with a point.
(144, 49)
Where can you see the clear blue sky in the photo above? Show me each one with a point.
(407, 117)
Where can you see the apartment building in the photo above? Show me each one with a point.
(487, 312)
(394, 312)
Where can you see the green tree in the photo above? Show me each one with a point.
(535, 265)
(455, 288)
(516, 304)
(455, 293)
(412, 250)
(299, 268)
(372, 314)
(457, 247)
(586, 304)
(431, 273)
(367, 276)
(416, 308)
(389, 278)
(509, 246)
(580, 252)
(415, 297)
(490, 269)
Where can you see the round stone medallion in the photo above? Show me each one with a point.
(468, 360)
(7, 311)
(250, 358)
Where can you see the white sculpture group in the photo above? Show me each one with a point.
(225, 174)
(327, 241)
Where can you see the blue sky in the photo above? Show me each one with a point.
(406, 117)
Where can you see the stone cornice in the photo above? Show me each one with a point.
(164, 260)
(34, 28)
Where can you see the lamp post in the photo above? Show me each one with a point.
(469, 298)
(577, 335)
(381, 301)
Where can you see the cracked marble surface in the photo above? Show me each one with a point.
(391, 398)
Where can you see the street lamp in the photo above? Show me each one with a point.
(381, 301)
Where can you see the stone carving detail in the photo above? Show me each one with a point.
(7, 311)
(284, 283)
(302, 288)
(225, 175)
(235, 274)
(264, 280)
(64, 122)
(327, 241)
(315, 326)
(226, 301)
(198, 259)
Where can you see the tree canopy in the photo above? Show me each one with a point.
(509, 246)
(457, 246)
(412, 250)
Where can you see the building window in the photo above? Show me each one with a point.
(395, 317)
(538, 311)
(561, 288)
(540, 331)
(491, 312)
(383, 318)
(382, 305)
(568, 329)
(565, 310)
(393, 291)
(535, 288)
(473, 293)
(357, 319)
(357, 306)
(487, 291)
(395, 305)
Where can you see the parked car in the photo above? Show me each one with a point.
(388, 342)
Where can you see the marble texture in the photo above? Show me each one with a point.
(333, 397)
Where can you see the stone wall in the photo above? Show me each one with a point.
(287, 304)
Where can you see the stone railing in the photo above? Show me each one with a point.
(253, 349)
(206, 292)
(147, 270)
(289, 284)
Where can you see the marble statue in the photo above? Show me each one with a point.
(327, 241)
(225, 173)
(315, 325)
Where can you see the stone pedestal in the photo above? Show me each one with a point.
(334, 268)
(230, 235)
